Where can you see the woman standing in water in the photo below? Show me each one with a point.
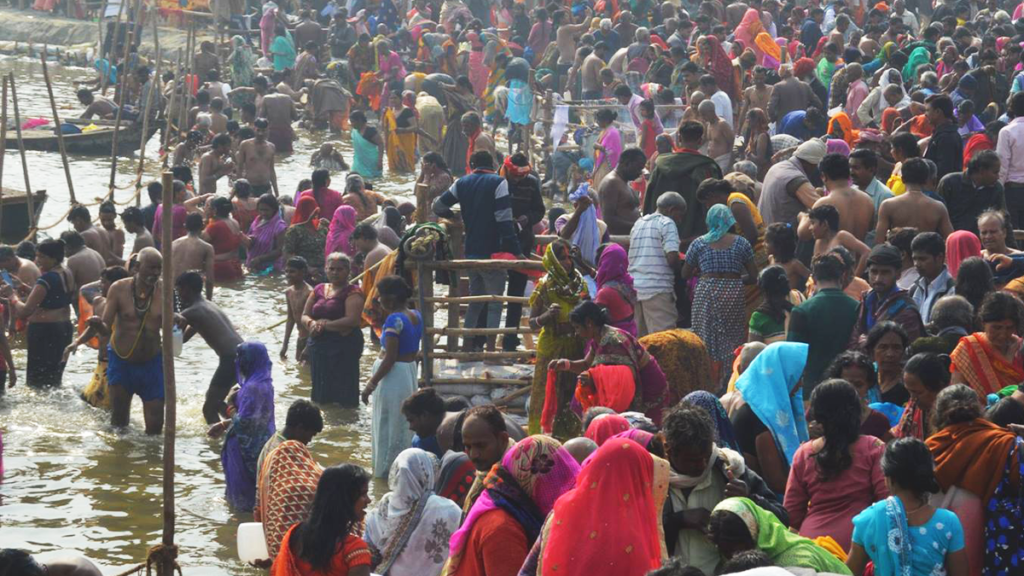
(394, 374)
(333, 316)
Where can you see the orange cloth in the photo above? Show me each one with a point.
(920, 127)
(84, 313)
(983, 367)
(351, 553)
(613, 387)
(225, 241)
(496, 547)
(373, 314)
(972, 455)
(369, 87)
(842, 121)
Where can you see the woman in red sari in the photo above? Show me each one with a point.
(223, 233)
(990, 360)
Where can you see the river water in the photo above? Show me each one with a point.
(74, 483)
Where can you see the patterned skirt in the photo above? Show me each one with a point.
(718, 316)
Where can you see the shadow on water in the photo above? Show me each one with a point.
(74, 483)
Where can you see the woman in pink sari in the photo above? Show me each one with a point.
(609, 144)
(267, 27)
(342, 225)
(266, 237)
(478, 72)
(750, 26)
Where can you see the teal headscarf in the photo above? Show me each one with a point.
(719, 221)
(917, 57)
(766, 386)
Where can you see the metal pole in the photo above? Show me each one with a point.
(60, 132)
(170, 391)
(24, 161)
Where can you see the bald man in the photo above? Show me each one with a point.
(721, 138)
(133, 315)
(580, 448)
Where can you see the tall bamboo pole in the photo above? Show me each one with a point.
(190, 48)
(153, 89)
(60, 132)
(170, 391)
(113, 46)
(169, 124)
(21, 150)
(3, 147)
(122, 82)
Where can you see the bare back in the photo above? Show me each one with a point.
(85, 266)
(915, 210)
(296, 300)
(191, 254)
(856, 210)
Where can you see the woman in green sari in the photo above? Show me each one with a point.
(243, 69)
(737, 524)
(918, 57)
(553, 299)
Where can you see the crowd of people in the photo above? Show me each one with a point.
(779, 325)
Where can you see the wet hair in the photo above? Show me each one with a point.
(490, 414)
(828, 268)
(155, 191)
(53, 249)
(221, 206)
(192, 280)
(908, 463)
(713, 187)
(107, 207)
(436, 159)
(880, 330)
(915, 171)
(591, 414)
(774, 284)
(242, 189)
(297, 262)
(826, 213)
(1004, 412)
(956, 404)
(928, 242)
(974, 280)
(852, 359)
(836, 406)
(746, 560)
(72, 240)
(79, 213)
(394, 286)
(423, 401)
(320, 177)
(688, 425)
(835, 167)
(332, 515)
(114, 273)
(932, 369)
(26, 249)
(589, 310)
(132, 215)
(194, 222)
(183, 175)
(783, 238)
(19, 563)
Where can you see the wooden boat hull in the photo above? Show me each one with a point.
(94, 143)
(14, 222)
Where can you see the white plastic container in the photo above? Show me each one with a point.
(178, 337)
(252, 543)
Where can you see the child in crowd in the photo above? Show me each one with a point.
(295, 296)
(780, 240)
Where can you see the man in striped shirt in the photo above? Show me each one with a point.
(653, 262)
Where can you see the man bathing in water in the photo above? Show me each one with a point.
(256, 161)
(192, 253)
(200, 316)
(296, 296)
(132, 320)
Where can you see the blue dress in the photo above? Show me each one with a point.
(391, 432)
(901, 550)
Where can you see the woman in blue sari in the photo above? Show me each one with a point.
(250, 426)
(904, 535)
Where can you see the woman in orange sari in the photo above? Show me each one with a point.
(841, 127)
(225, 237)
(990, 360)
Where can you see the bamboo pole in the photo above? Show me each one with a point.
(122, 82)
(449, 331)
(99, 27)
(190, 48)
(3, 147)
(169, 124)
(170, 391)
(517, 265)
(422, 200)
(24, 161)
(154, 87)
(486, 298)
(513, 396)
(113, 46)
(60, 132)
(427, 313)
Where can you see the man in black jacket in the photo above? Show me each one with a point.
(703, 475)
(527, 210)
(946, 147)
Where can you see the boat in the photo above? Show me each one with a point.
(14, 220)
(96, 142)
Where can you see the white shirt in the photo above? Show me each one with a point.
(1010, 148)
(910, 21)
(652, 236)
(723, 107)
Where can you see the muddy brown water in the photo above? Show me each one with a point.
(74, 483)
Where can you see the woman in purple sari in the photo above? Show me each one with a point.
(266, 237)
(250, 426)
(615, 288)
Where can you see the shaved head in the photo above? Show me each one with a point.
(580, 448)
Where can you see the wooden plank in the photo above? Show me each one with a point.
(478, 356)
(481, 298)
(449, 331)
(518, 265)
(487, 381)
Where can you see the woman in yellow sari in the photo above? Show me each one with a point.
(990, 360)
(553, 299)
(401, 130)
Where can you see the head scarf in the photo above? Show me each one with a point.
(406, 520)
(342, 225)
(568, 288)
(587, 235)
(836, 146)
(918, 57)
(264, 233)
(889, 118)
(719, 221)
(750, 26)
(811, 151)
(605, 426)
(252, 424)
(613, 386)
(612, 518)
(242, 62)
(771, 536)
(639, 436)
(888, 539)
(724, 435)
(842, 120)
(768, 386)
(721, 67)
(612, 270)
(960, 246)
(883, 83)
(306, 209)
(803, 67)
(770, 52)
(525, 484)
(510, 169)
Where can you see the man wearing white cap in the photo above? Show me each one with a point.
(787, 188)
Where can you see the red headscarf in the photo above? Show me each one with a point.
(721, 67)
(510, 169)
(305, 209)
(611, 518)
(803, 67)
(605, 426)
(889, 117)
(960, 246)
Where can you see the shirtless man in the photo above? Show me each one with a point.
(192, 253)
(472, 127)
(279, 110)
(721, 138)
(295, 296)
(256, 161)
(218, 120)
(99, 106)
(566, 35)
(85, 264)
(364, 239)
(823, 222)
(94, 237)
(756, 96)
(200, 316)
(259, 89)
(135, 224)
(856, 209)
(591, 72)
(696, 98)
(202, 106)
(132, 321)
(108, 221)
(620, 205)
(186, 152)
(215, 164)
(23, 273)
(913, 208)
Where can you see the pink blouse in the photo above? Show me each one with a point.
(819, 508)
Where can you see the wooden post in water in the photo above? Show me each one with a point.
(153, 89)
(170, 391)
(113, 45)
(169, 121)
(60, 132)
(3, 146)
(122, 82)
(190, 48)
(24, 162)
